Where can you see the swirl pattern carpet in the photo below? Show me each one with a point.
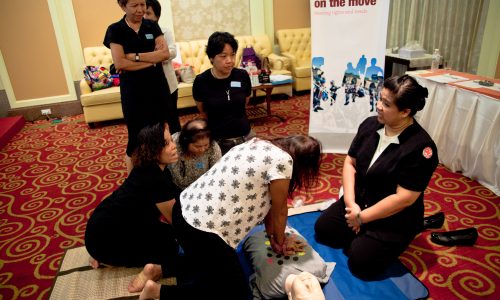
(52, 176)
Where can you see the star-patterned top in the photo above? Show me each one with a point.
(233, 196)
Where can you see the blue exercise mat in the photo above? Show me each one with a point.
(396, 282)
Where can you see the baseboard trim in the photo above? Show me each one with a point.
(59, 110)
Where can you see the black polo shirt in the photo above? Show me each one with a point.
(137, 197)
(224, 101)
(143, 41)
(409, 164)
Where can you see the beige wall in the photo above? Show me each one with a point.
(291, 14)
(30, 51)
(92, 23)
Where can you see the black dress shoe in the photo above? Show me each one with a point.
(434, 221)
(463, 237)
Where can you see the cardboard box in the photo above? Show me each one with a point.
(409, 53)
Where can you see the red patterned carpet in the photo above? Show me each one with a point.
(53, 175)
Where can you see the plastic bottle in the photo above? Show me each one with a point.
(254, 74)
(436, 60)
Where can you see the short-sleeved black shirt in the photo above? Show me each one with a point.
(409, 164)
(224, 101)
(144, 41)
(137, 197)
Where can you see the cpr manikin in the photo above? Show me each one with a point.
(303, 287)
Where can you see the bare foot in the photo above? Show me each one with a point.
(93, 263)
(150, 272)
(151, 291)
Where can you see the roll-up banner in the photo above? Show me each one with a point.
(348, 53)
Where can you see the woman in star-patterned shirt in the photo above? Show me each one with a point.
(249, 184)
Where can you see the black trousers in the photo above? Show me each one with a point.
(216, 272)
(226, 144)
(146, 100)
(174, 123)
(129, 244)
(369, 255)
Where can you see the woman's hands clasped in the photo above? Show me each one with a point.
(351, 217)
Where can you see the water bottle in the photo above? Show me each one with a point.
(254, 74)
(436, 60)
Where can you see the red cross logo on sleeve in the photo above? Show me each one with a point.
(427, 153)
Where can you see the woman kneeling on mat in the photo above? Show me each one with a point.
(388, 167)
(248, 185)
(125, 228)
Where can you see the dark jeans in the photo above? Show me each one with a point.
(217, 273)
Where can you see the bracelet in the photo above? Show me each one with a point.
(358, 218)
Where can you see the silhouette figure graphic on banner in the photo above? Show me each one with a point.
(319, 88)
(374, 86)
(374, 69)
(361, 66)
(350, 82)
(350, 69)
(318, 83)
(333, 92)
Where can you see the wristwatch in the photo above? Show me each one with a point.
(137, 58)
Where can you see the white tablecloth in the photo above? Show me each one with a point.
(465, 126)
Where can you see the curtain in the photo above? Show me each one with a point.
(455, 27)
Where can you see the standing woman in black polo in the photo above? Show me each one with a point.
(138, 48)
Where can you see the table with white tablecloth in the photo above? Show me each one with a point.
(414, 63)
(464, 122)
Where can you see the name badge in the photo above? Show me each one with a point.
(149, 36)
(235, 84)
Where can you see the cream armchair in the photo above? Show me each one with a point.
(296, 45)
(263, 47)
(101, 105)
(279, 65)
(191, 53)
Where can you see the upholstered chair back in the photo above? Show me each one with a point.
(97, 56)
(260, 43)
(296, 42)
(193, 53)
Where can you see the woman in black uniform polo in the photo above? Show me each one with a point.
(126, 228)
(386, 171)
(138, 48)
